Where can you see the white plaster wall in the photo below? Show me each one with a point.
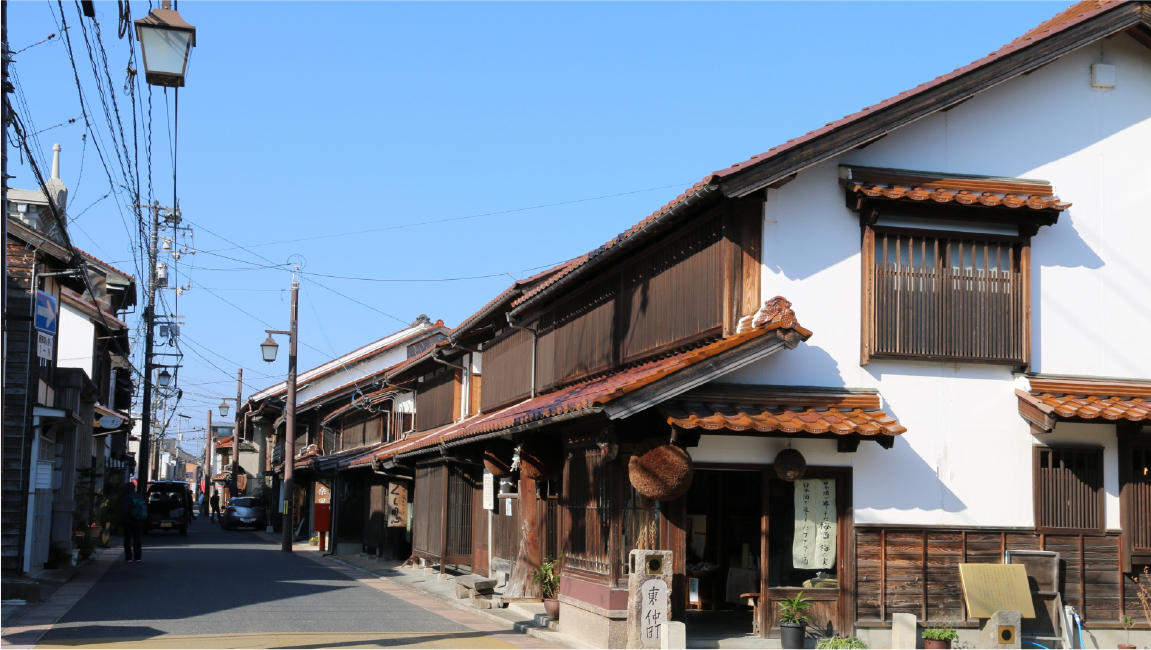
(966, 457)
(77, 340)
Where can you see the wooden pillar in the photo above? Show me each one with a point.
(444, 521)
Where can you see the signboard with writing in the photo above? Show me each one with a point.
(323, 493)
(397, 505)
(815, 524)
(653, 612)
(489, 491)
(44, 344)
(989, 588)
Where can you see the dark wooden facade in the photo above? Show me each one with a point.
(444, 528)
(438, 398)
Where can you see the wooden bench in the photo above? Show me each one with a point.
(471, 586)
(753, 601)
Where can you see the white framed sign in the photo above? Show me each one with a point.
(44, 345)
(489, 491)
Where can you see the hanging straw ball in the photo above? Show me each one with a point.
(541, 457)
(498, 457)
(660, 470)
(790, 465)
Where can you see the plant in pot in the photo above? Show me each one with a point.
(793, 621)
(939, 636)
(547, 576)
(1127, 622)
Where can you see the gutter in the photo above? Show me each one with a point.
(594, 262)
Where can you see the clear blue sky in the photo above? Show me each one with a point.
(301, 120)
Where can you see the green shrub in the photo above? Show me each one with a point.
(547, 576)
(836, 642)
(940, 632)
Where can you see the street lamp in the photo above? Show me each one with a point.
(268, 349)
(223, 409)
(166, 41)
(164, 378)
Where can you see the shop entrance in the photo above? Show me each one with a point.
(723, 533)
(752, 540)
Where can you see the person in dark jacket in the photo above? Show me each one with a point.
(130, 525)
(215, 501)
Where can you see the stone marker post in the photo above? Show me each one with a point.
(904, 631)
(1002, 630)
(648, 598)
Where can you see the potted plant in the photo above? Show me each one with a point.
(1127, 623)
(793, 621)
(939, 636)
(547, 576)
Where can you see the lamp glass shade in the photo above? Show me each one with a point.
(223, 409)
(269, 348)
(165, 54)
(164, 378)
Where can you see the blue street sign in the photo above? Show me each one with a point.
(45, 319)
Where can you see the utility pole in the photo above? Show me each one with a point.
(236, 435)
(208, 461)
(143, 460)
(290, 423)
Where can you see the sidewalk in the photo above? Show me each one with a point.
(412, 584)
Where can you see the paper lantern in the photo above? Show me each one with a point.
(660, 470)
(790, 465)
(541, 457)
(498, 457)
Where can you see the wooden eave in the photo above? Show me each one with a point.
(1055, 399)
(1134, 18)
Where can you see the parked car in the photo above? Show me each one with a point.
(169, 506)
(244, 511)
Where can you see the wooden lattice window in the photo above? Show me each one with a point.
(954, 296)
(588, 500)
(1069, 489)
(1135, 497)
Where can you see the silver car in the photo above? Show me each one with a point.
(244, 511)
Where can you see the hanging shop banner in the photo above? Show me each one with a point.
(815, 524)
(397, 505)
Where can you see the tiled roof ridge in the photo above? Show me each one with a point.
(426, 331)
(100, 261)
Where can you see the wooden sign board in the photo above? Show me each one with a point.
(323, 493)
(988, 588)
(397, 508)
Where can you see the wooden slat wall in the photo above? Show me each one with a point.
(461, 494)
(435, 400)
(893, 577)
(376, 515)
(675, 292)
(1136, 492)
(948, 297)
(507, 370)
(587, 490)
(1069, 488)
(581, 340)
(427, 524)
(505, 532)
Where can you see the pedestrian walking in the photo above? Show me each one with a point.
(215, 501)
(133, 514)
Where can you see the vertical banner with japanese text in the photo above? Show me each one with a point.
(815, 524)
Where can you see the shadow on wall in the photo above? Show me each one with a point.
(806, 365)
(905, 482)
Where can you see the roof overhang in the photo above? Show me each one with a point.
(1094, 400)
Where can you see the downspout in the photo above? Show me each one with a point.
(535, 344)
(29, 444)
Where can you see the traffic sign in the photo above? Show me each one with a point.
(45, 319)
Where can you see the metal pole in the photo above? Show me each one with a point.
(290, 425)
(143, 460)
(236, 435)
(208, 466)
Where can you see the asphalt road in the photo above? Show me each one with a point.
(216, 588)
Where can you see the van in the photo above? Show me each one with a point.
(169, 506)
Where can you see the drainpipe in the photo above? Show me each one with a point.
(535, 344)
